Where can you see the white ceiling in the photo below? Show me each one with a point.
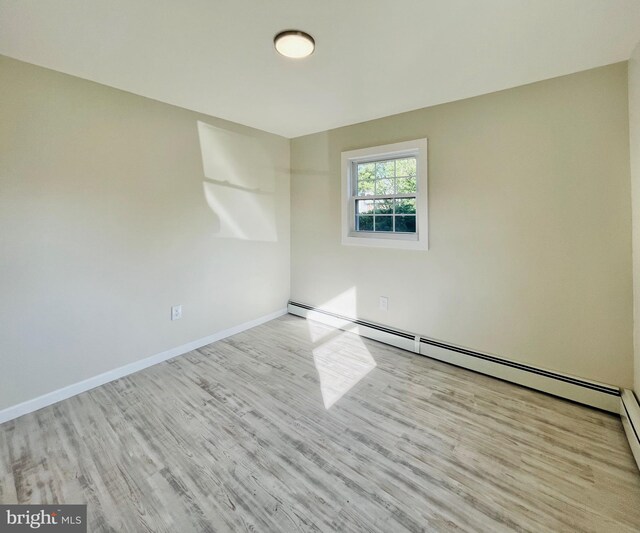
(373, 57)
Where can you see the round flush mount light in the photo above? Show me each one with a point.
(295, 44)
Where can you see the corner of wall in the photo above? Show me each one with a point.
(634, 154)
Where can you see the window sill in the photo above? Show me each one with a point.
(398, 242)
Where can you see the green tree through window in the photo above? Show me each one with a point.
(385, 195)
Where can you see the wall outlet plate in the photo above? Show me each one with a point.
(176, 312)
(384, 303)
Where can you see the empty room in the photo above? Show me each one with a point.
(329, 266)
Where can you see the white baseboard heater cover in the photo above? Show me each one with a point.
(630, 414)
(579, 390)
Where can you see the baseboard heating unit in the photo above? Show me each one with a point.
(580, 390)
(630, 414)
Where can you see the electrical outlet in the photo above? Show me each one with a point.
(176, 312)
(383, 303)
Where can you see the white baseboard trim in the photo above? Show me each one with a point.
(579, 390)
(72, 390)
(630, 414)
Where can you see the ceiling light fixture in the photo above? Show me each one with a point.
(295, 44)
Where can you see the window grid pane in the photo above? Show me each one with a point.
(405, 223)
(386, 179)
(383, 223)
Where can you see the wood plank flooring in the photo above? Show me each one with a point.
(236, 436)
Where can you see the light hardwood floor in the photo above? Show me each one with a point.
(236, 436)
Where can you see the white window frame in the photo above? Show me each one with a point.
(406, 241)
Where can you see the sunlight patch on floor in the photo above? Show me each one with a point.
(341, 359)
(340, 368)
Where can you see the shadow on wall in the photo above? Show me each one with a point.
(239, 184)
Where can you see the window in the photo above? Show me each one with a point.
(384, 199)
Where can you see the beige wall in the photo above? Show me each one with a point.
(634, 138)
(530, 226)
(110, 213)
